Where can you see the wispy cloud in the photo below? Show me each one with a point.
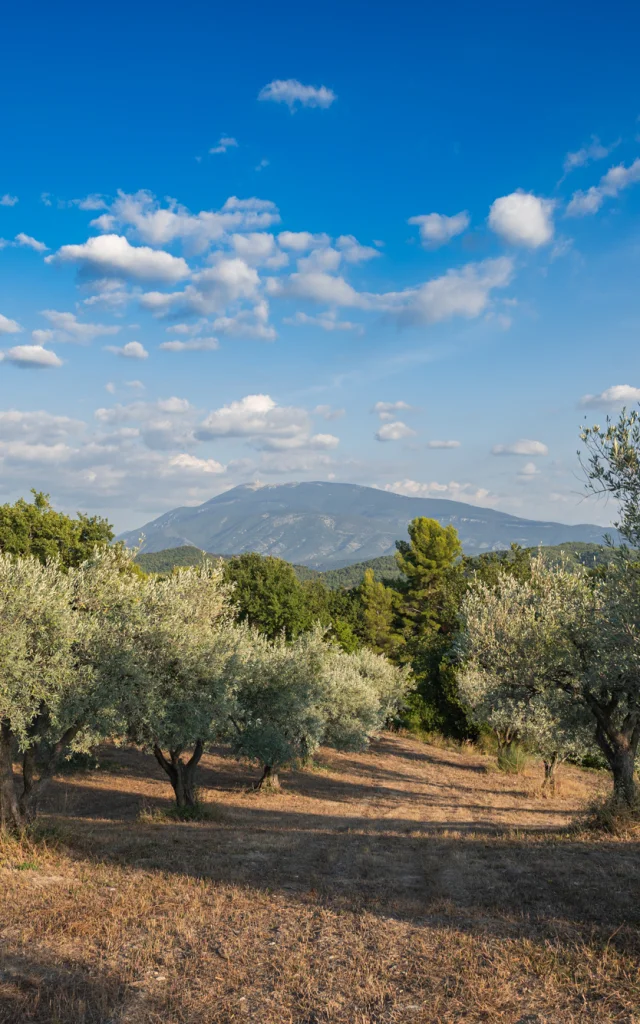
(294, 93)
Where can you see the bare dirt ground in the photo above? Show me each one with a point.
(410, 883)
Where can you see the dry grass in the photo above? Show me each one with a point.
(407, 884)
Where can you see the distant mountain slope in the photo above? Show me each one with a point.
(328, 525)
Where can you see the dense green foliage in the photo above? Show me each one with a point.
(166, 561)
(37, 529)
(384, 568)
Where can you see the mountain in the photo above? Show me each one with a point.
(328, 525)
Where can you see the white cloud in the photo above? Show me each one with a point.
(248, 323)
(258, 248)
(301, 241)
(610, 185)
(8, 200)
(327, 321)
(437, 229)
(142, 216)
(593, 151)
(328, 412)
(113, 256)
(90, 202)
(443, 444)
(453, 491)
(310, 442)
(257, 417)
(387, 410)
(318, 287)
(224, 143)
(261, 166)
(211, 291)
(135, 385)
(353, 252)
(26, 241)
(192, 464)
(36, 427)
(522, 219)
(465, 292)
(110, 387)
(394, 431)
(528, 471)
(615, 396)
(193, 345)
(293, 92)
(30, 357)
(322, 260)
(67, 327)
(584, 203)
(132, 350)
(521, 447)
(8, 326)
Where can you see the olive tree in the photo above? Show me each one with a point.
(294, 697)
(58, 692)
(565, 643)
(180, 650)
(540, 720)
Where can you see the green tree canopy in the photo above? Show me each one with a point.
(37, 529)
(267, 595)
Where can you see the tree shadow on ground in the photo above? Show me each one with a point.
(36, 990)
(478, 879)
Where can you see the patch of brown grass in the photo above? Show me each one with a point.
(405, 884)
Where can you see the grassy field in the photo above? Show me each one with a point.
(409, 884)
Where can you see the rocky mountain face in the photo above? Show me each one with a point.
(328, 525)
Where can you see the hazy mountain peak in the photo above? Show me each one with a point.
(327, 525)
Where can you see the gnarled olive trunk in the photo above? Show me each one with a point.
(19, 809)
(10, 814)
(620, 747)
(181, 773)
(550, 765)
(269, 779)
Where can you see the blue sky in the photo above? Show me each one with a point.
(396, 245)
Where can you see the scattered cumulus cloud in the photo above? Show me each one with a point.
(192, 345)
(67, 328)
(610, 186)
(8, 200)
(437, 229)
(132, 350)
(225, 142)
(615, 396)
(114, 256)
(394, 431)
(522, 219)
(443, 444)
(587, 154)
(528, 472)
(302, 241)
(521, 447)
(294, 94)
(192, 464)
(27, 242)
(8, 326)
(353, 252)
(387, 410)
(453, 491)
(463, 292)
(31, 357)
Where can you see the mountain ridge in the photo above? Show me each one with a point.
(326, 525)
